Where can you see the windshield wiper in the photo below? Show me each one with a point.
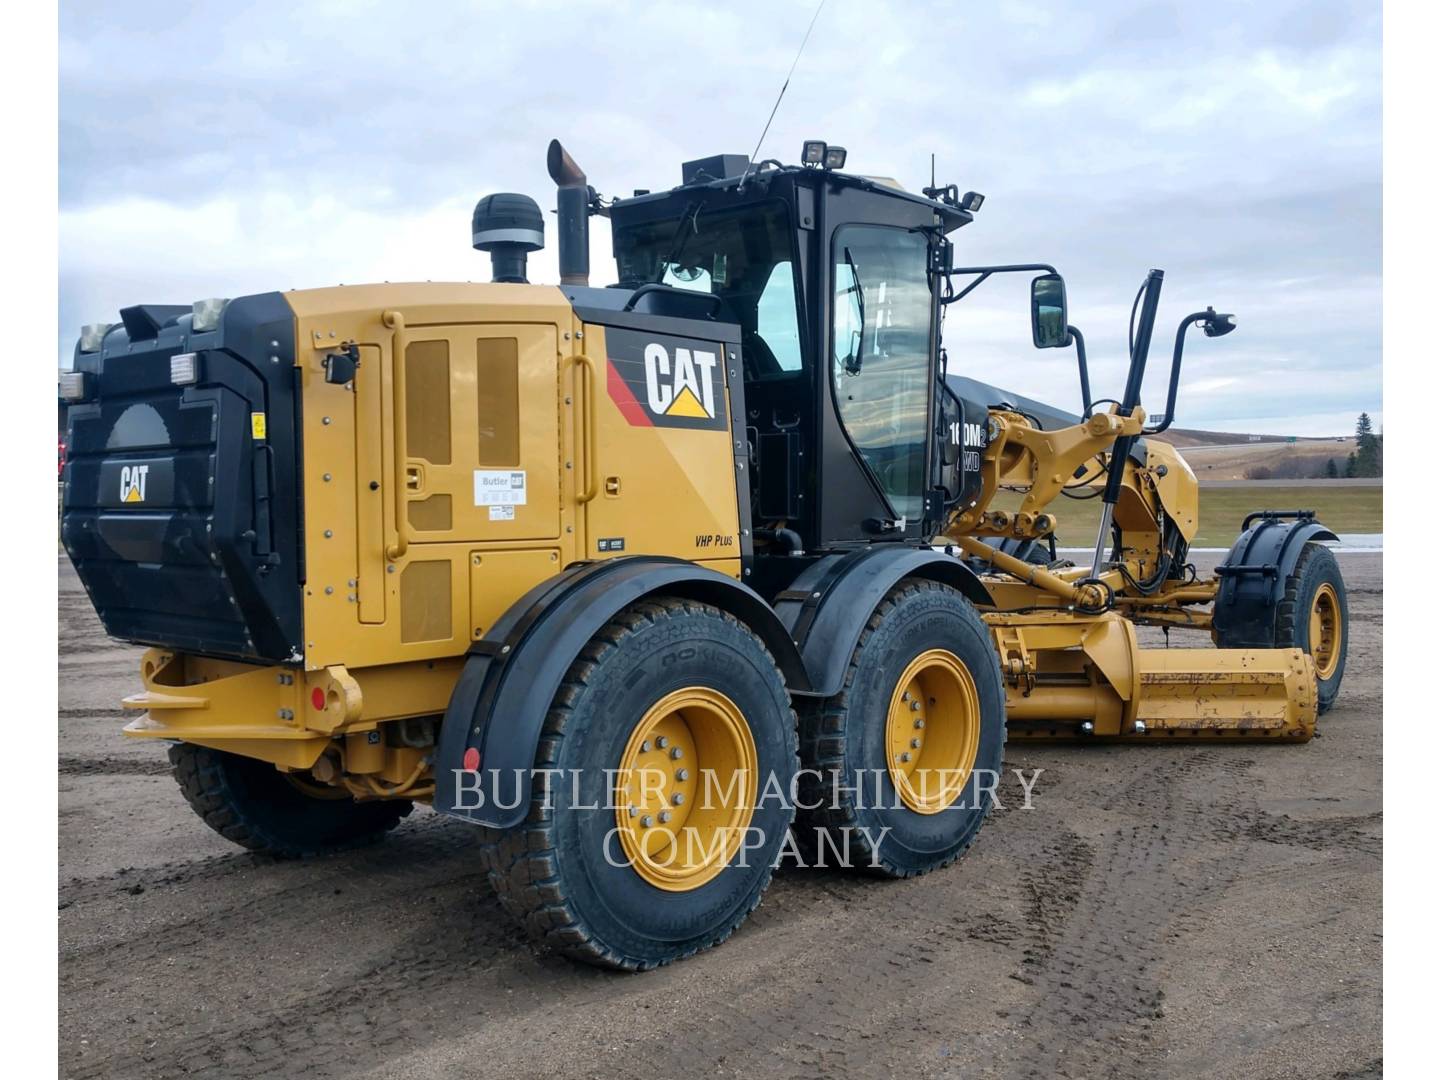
(679, 239)
(856, 357)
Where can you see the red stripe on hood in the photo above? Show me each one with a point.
(635, 413)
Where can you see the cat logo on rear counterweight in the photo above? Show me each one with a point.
(132, 483)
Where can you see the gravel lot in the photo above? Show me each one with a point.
(1163, 910)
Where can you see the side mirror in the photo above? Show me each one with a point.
(1048, 316)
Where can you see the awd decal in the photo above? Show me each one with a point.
(659, 380)
(132, 483)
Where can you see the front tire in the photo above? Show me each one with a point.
(597, 871)
(1314, 615)
(901, 765)
(251, 803)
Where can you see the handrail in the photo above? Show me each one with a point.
(591, 488)
(395, 321)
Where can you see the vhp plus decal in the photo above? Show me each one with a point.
(659, 380)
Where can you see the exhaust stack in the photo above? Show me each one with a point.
(572, 209)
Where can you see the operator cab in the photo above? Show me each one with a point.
(835, 282)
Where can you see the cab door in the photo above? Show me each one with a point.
(880, 372)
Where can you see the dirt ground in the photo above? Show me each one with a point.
(1161, 911)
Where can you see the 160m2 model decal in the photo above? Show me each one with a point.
(660, 380)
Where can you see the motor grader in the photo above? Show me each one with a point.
(653, 581)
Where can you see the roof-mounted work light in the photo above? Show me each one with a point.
(813, 152)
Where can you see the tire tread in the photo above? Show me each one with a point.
(520, 863)
(822, 745)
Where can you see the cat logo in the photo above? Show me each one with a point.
(688, 389)
(661, 380)
(132, 483)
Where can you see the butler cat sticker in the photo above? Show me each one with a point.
(658, 380)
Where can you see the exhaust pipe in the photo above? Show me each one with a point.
(572, 209)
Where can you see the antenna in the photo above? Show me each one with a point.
(755, 154)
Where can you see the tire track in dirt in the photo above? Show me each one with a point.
(73, 765)
(1097, 981)
(246, 960)
(421, 838)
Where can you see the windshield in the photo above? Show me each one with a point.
(742, 255)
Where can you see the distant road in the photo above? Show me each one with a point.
(1317, 482)
(1202, 447)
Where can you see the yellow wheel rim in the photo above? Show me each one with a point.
(686, 789)
(932, 731)
(1326, 631)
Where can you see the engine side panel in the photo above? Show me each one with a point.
(510, 440)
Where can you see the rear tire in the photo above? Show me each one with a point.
(251, 803)
(566, 872)
(888, 830)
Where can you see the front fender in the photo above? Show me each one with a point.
(1253, 575)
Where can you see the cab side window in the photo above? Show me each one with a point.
(776, 321)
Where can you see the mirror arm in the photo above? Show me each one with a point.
(1079, 340)
(954, 296)
(986, 271)
(1185, 324)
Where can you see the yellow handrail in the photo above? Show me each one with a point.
(591, 488)
(394, 320)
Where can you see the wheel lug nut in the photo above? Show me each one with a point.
(905, 696)
(682, 775)
(661, 742)
(633, 811)
(646, 821)
(664, 816)
(677, 798)
(914, 706)
(915, 744)
(905, 756)
(919, 722)
(676, 753)
(645, 747)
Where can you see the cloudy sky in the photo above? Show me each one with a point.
(220, 148)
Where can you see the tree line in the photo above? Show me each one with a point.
(1367, 460)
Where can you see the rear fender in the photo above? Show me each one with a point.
(827, 606)
(499, 703)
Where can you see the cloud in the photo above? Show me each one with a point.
(216, 149)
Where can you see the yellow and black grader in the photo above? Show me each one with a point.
(657, 581)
